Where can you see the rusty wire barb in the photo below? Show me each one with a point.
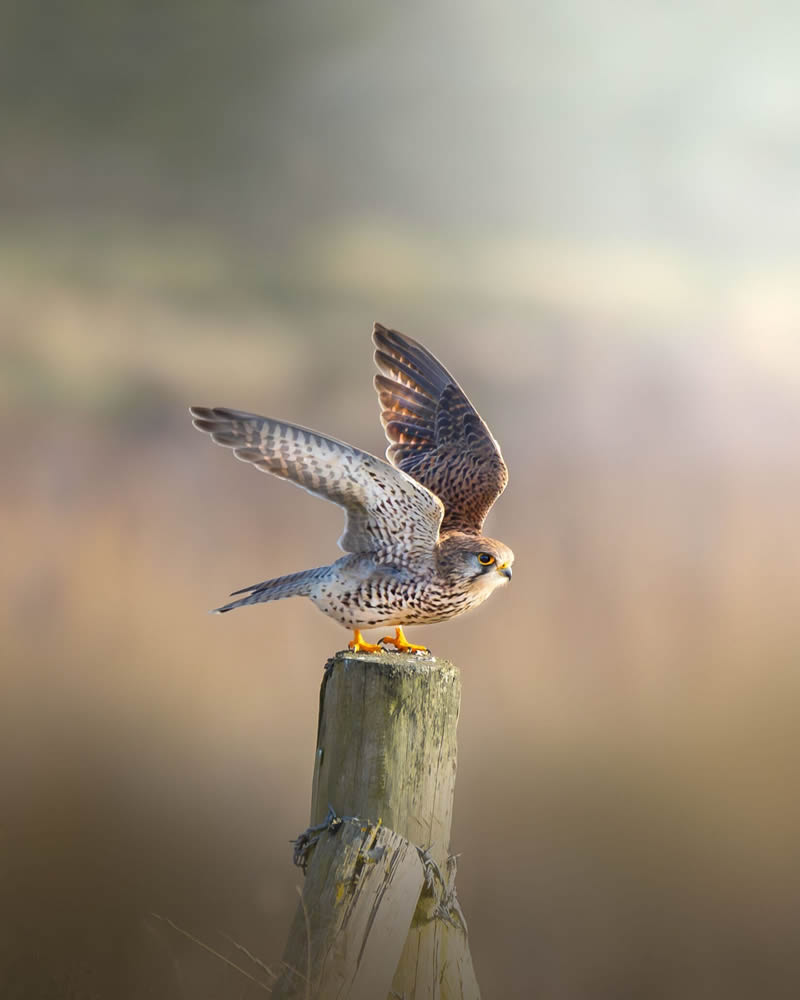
(430, 869)
(447, 906)
(309, 837)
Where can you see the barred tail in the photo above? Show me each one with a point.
(293, 585)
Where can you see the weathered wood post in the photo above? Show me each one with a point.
(379, 917)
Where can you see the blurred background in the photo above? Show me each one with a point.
(590, 212)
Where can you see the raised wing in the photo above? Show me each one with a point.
(388, 515)
(435, 434)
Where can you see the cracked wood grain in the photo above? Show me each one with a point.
(386, 755)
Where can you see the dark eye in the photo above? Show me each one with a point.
(485, 559)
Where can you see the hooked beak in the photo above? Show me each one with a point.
(504, 570)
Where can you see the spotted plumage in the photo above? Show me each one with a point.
(413, 526)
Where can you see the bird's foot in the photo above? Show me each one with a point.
(358, 644)
(401, 644)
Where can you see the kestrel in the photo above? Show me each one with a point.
(413, 525)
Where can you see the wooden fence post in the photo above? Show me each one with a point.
(379, 917)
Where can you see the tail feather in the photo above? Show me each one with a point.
(293, 585)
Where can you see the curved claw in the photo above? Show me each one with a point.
(401, 644)
(358, 644)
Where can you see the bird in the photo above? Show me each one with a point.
(415, 552)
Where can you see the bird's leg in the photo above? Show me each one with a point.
(401, 644)
(360, 645)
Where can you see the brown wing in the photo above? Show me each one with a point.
(389, 515)
(436, 435)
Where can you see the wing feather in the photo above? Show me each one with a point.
(435, 434)
(389, 515)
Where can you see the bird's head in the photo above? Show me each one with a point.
(479, 562)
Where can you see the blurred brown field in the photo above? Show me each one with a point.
(627, 809)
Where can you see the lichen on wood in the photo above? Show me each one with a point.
(379, 916)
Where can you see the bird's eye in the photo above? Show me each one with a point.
(485, 559)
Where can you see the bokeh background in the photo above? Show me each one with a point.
(590, 211)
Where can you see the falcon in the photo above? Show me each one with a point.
(414, 543)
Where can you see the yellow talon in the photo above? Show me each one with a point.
(360, 645)
(401, 644)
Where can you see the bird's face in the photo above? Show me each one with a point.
(481, 563)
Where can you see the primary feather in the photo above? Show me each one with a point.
(388, 514)
(435, 434)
